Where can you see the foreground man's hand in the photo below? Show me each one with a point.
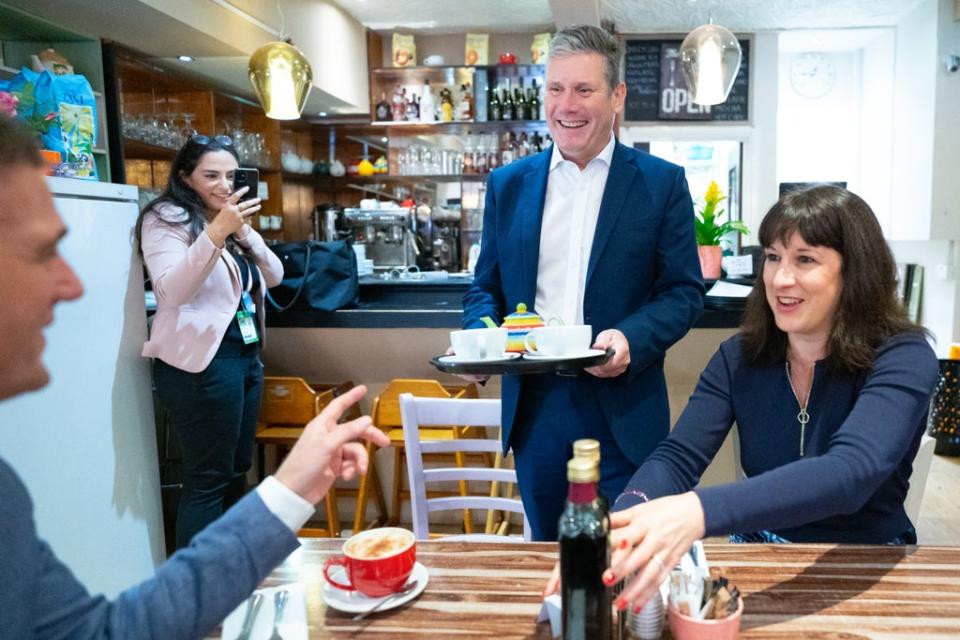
(620, 360)
(327, 450)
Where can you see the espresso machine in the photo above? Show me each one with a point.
(386, 233)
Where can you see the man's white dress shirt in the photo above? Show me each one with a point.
(570, 213)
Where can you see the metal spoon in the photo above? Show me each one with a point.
(407, 589)
(253, 606)
(279, 602)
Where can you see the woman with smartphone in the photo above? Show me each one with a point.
(209, 271)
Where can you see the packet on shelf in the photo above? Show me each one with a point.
(518, 325)
(477, 48)
(404, 50)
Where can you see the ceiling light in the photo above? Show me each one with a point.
(322, 114)
(710, 59)
(185, 58)
(281, 77)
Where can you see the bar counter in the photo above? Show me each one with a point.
(484, 590)
(431, 304)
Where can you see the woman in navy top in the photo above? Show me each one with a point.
(828, 383)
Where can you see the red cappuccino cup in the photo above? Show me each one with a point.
(377, 562)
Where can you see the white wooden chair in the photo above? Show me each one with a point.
(417, 412)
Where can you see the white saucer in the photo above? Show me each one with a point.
(589, 353)
(455, 359)
(356, 602)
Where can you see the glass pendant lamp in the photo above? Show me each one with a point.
(281, 77)
(710, 59)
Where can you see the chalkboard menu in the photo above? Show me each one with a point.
(656, 90)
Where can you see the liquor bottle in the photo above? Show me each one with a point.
(428, 105)
(533, 101)
(466, 104)
(590, 449)
(584, 555)
(493, 153)
(494, 108)
(536, 143)
(399, 109)
(413, 108)
(468, 152)
(507, 110)
(446, 105)
(480, 155)
(507, 148)
(383, 112)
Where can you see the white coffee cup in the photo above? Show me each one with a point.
(479, 344)
(559, 341)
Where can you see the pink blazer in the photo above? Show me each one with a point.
(198, 288)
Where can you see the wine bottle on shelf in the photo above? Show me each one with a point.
(427, 103)
(533, 102)
(520, 102)
(383, 112)
(494, 108)
(584, 555)
(507, 150)
(507, 111)
(480, 155)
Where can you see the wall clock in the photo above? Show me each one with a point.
(812, 75)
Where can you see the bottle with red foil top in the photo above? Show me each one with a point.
(584, 555)
(518, 325)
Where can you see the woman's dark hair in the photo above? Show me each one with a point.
(178, 192)
(868, 312)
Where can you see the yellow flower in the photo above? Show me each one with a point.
(713, 194)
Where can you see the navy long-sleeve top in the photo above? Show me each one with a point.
(850, 484)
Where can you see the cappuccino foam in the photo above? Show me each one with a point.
(370, 547)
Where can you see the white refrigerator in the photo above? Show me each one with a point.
(85, 445)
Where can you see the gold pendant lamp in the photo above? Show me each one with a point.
(282, 78)
(710, 59)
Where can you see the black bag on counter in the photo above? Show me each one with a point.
(317, 276)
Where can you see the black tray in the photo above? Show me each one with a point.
(520, 366)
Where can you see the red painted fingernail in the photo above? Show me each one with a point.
(623, 544)
(608, 578)
(637, 609)
(620, 604)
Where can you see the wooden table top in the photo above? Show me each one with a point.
(791, 591)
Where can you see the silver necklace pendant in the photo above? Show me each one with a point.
(803, 417)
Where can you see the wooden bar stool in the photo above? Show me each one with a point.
(288, 404)
(386, 416)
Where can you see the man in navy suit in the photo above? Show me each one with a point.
(589, 232)
(200, 584)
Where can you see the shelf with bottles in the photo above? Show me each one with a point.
(456, 95)
(463, 155)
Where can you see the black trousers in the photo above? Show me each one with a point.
(214, 414)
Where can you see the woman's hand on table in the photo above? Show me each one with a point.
(650, 539)
(327, 450)
(232, 216)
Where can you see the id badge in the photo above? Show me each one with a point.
(248, 328)
(248, 305)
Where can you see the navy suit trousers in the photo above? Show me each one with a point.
(554, 412)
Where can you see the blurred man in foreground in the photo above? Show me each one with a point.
(198, 586)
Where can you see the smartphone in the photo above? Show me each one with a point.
(246, 178)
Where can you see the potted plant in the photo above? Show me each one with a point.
(709, 231)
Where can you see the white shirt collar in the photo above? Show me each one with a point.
(605, 155)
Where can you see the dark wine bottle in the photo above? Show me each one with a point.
(590, 449)
(584, 555)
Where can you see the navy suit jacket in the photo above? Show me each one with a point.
(190, 595)
(643, 278)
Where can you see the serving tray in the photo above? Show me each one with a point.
(520, 366)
